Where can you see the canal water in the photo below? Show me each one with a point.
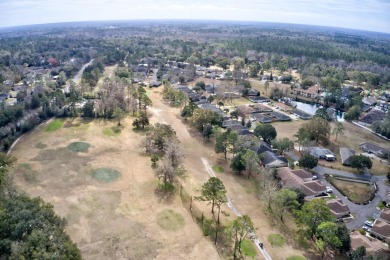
(312, 108)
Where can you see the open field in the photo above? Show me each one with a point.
(356, 192)
(105, 188)
(121, 215)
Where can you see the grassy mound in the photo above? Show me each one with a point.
(81, 147)
(170, 220)
(112, 131)
(218, 169)
(296, 257)
(248, 248)
(105, 174)
(54, 125)
(276, 240)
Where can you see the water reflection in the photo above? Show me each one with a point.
(312, 108)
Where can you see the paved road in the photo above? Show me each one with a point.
(360, 212)
(256, 241)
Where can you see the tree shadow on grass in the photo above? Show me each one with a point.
(165, 193)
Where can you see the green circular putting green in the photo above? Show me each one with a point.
(168, 219)
(276, 240)
(105, 174)
(79, 147)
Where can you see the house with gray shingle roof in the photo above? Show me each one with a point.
(346, 154)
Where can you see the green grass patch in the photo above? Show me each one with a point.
(81, 147)
(276, 240)
(296, 257)
(40, 146)
(105, 174)
(248, 248)
(218, 169)
(169, 219)
(112, 131)
(54, 125)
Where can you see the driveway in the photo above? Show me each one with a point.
(360, 212)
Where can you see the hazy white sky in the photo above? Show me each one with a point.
(373, 15)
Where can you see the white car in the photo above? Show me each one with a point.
(329, 190)
(315, 177)
(369, 223)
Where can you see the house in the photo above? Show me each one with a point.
(261, 148)
(375, 149)
(211, 89)
(346, 154)
(280, 116)
(252, 92)
(381, 230)
(271, 160)
(302, 115)
(302, 180)
(338, 208)
(384, 106)
(370, 101)
(366, 108)
(385, 97)
(260, 108)
(230, 123)
(283, 107)
(320, 153)
(245, 109)
(385, 215)
(258, 99)
(193, 97)
(262, 118)
(374, 115)
(311, 92)
(372, 245)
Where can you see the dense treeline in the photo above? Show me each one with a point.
(29, 228)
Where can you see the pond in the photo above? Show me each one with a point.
(312, 108)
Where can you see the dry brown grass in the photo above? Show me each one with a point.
(115, 220)
(357, 192)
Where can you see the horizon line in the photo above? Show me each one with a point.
(191, 20)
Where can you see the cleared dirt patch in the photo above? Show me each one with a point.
(169, 219)
(357, 192)
(81, 147)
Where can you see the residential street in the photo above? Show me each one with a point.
(359, 212)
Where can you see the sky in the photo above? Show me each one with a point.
(371, 15)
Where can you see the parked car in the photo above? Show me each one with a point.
(369, 223)
(329, 190)
(315, 177)
(365, 228)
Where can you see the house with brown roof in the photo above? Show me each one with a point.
(385, 215)
(311, 92)
(381, 230)
(372, 245)
(302, 180)
(338, 208)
